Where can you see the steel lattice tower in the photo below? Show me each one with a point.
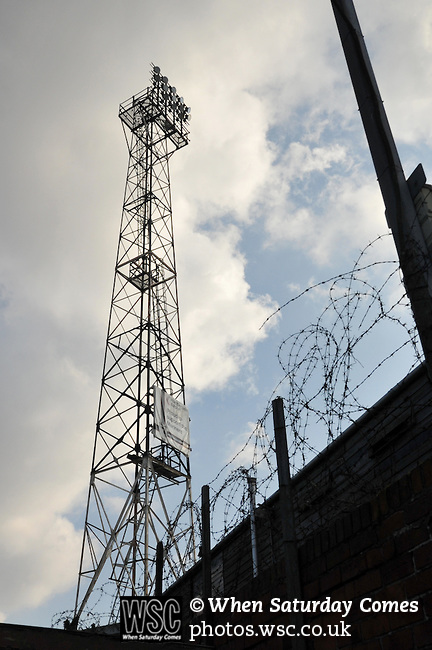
(139, 491)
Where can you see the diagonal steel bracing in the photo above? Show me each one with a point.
(139, 490)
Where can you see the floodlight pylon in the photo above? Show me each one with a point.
(140, 482)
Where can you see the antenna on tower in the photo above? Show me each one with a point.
(140, 482)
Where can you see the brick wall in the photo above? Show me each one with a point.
(364, 524)
(382, 551)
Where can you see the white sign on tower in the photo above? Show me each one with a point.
(171, 421)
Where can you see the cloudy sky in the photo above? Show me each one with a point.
(274, 193)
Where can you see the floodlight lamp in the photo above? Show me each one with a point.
(156, 74)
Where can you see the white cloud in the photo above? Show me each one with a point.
(317, 208)
(301, 159)
(221, 319)
(43, 554)
(244, 449)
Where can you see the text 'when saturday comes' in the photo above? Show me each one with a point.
(327, 605)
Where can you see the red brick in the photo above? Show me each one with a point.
(363, 540)
(374, 557)
(388, 549)
(391, 524)
(416, 480)
(374, 625)
(426, 601)
(347, 526)
(375, 509)
(418, 508)
(420, 583)
(396, 591)
(405, 619)
(325, 541)
(398, 640)
(310, 549)
(356, 520)
(325, 643)
(330, 579)
(368, 645)
(340, 593)
(347, 642)
(311, 590)
(423, 555)
(383, 505)
(365, 514)
(396, 569)
(317, 544)
(350, 591)
(333, 535)
(405, 489)
(368, 583)
(409, 539)
(338, 555)
(353, 567)
(302, 554)
(309, 570)
(393, 496)
(427, 472)
(423, 634)
(340, 530)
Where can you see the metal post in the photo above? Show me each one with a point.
(205, 542)
(398, 193)
(252, 505)
(289, 540)
(159, 569)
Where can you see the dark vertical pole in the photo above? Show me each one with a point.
(159, 569)
(289, 540)
(205, 542)
(252, 505)
(398, 194)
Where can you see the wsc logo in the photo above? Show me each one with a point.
(145, 618)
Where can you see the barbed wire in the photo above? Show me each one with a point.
(90, 618)
(327, 369)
